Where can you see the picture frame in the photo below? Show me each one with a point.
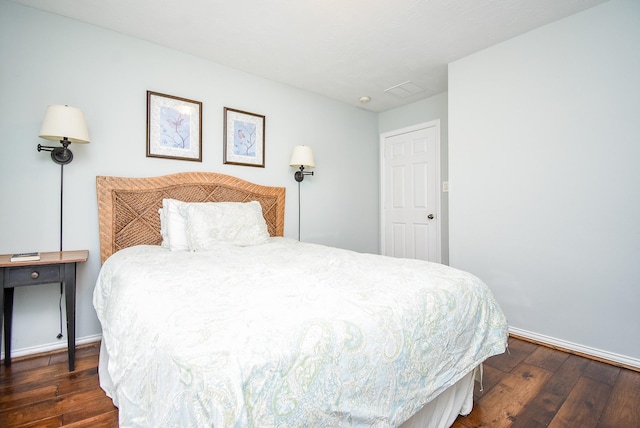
(243, 136)
(174, 127)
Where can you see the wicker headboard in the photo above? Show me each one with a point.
(128, 207)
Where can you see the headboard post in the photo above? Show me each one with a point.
(128, 207)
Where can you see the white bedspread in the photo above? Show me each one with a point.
(286, 334)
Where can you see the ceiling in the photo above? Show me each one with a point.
(342, 49)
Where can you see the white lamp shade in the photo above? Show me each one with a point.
(64, 121)
(302, 156)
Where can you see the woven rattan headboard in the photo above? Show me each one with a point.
(128, 207)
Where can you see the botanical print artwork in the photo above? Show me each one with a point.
(244, 141)
(243, 136)
(175, 128)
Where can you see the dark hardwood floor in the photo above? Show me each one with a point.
(41, 392)
(536, 386)
(532, 386)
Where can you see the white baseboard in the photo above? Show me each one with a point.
(616, 359)
(53, 346)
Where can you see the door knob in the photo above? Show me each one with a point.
(430, 216)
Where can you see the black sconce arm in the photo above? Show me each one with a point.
(60, 155)
(299, 175)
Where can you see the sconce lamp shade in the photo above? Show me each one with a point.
(63, 122)
(302, 156)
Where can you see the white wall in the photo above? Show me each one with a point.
(48, 59)
(422, 111)
(544, 168)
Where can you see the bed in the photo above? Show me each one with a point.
(211, 317)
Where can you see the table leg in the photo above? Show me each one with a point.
(70, 300)
(1, 302)
(8, 319)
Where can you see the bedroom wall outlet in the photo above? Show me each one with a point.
(445, 186)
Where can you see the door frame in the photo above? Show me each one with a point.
(432, 123)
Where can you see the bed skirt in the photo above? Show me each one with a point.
(442, 411)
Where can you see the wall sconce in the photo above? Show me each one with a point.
(302, 157)
(67, 125)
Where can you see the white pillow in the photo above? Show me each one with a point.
(236, 223)
(175, 225)
(163, 229)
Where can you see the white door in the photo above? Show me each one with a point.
(410, 182)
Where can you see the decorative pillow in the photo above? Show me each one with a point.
(214, 223)
(175, 225)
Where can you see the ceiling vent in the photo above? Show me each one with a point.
(405, 89)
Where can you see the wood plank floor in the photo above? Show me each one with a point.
(535, 386)
(532, 386)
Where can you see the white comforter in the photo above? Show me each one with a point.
(286, 334)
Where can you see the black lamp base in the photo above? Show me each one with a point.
(61, 155)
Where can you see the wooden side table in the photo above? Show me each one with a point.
(57, 266)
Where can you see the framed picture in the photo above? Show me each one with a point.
(243, 138)
(174, 127)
